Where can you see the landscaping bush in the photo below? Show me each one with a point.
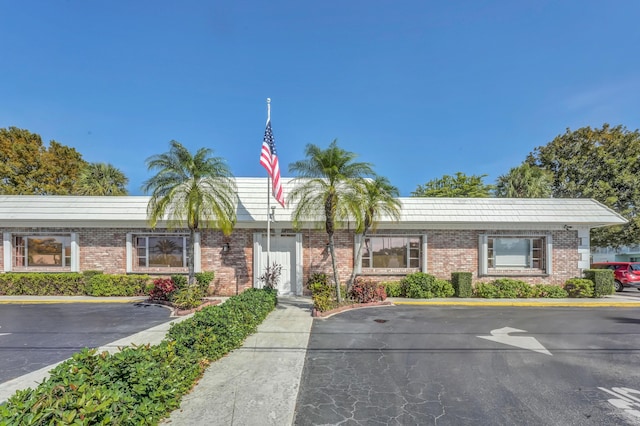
(579, 287)
(187, 298)
(142, 384)
(504, 288)
(117, 285)
(424, 286)
(393, 288)
(216, 330)
(366, 291)
(603, 280)
(162, 289)
(462, 285)
(42, 284)
(549, 291)
(180, 281)
(204, 279)
(323, 293)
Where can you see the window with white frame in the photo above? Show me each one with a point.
(504, 253)
(160, 251)
(32, 251)
(392, 252)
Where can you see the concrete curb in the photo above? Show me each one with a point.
(541, 303)
(33, 300)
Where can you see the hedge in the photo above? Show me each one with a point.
(140, 384)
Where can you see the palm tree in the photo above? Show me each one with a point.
(525, 181)
(193, 190)
(329, 190)
(101, 179)
(380, 199)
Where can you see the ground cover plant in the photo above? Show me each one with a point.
(140, 384)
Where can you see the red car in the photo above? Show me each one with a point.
(626, 274)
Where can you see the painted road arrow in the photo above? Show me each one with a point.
(501, 335)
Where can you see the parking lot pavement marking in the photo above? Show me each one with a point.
(501, 335)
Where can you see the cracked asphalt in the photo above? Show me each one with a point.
(409, 365)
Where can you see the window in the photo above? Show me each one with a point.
(160, 251)
(42, 251)
(515, 253)
(391, 252)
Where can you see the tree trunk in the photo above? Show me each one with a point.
(357, 262)
(335, 268)
(190, 256)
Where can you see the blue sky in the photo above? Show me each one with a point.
(418, 88)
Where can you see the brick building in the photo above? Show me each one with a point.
(537, 240)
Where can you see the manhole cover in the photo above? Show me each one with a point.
(380, 320)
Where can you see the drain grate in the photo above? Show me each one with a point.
(380, 320)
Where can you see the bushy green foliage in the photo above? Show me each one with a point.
(117, 285)
(579, 287)
(366, 291)
(187, 298)
(603, 280)
(203, 279)
(393, 288)
(142, 384)
(504, 288)
(462, 284)
(548, 290)
(42, 284)
(180, 281)
(424, 286)
(323, 293)
(89, 273)
(216, 330)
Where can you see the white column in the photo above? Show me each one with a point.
(129, 253)
(6, 250)
(197, 254)
(75, 253)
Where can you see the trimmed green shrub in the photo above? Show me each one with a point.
(180, 281)
(204, 279)
(548, 291)
(188, 297)
(504, 288)
(366, 291)
(323, 293)
(462, 285)
(140, 384)
(579, 287)
(42, 284)
(89, 274)
(117, 285)
(424, 286)
(442, 288)
(393, 288)
(603, 281)
(216, 330)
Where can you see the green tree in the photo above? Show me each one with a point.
(329, 189)
(457, 186)
(101, 179)
(524, 181)
(603, 164)
(379, 200)
(196, 191)
(27, 167)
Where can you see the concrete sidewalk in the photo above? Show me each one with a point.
(258, 383)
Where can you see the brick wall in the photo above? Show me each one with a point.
(448, 251)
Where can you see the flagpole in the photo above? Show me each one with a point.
(268, 193)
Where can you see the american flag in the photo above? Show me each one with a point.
(269, 160)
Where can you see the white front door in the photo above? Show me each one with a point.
(282, 252)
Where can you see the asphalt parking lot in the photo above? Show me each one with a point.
(33, 336)
(468, 366)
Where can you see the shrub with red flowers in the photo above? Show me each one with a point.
(366, 291)
(162, 289)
